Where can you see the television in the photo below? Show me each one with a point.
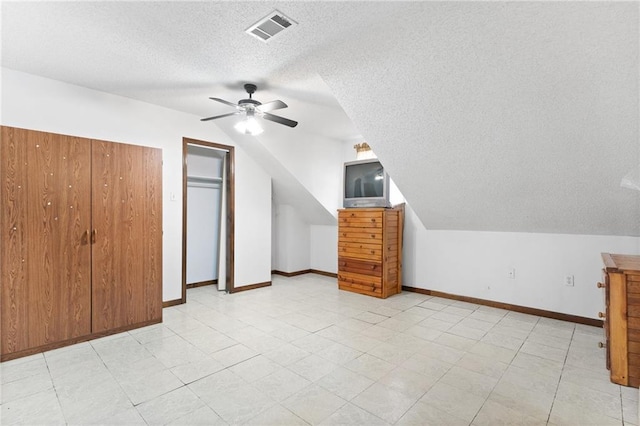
(366, 184)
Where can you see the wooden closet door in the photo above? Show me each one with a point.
(44, 249)
(126, 235)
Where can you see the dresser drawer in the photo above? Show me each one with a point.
(360, 250)
(360, 283)
(372, 221)
(355, 235)
(368, 281)
(358, 288)
(358, 266)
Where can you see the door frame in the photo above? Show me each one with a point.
(230, 185)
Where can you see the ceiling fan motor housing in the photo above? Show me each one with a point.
(249, 103)
(250, 88)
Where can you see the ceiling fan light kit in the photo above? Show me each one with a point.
(249, 126)
(251, 109)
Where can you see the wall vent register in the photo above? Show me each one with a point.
(269, 26)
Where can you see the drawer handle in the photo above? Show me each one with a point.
(373, 235)
(601, 314)
(601, 345)
(373, 266)
(600, 285)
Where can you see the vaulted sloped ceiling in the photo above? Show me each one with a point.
(503, 116)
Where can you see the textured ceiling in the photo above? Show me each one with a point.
(488, 115)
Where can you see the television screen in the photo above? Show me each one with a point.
(366, 184)
(364, 180)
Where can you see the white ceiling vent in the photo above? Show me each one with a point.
(272, 24)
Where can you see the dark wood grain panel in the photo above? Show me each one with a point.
(634, 381)
(633, 335)
(13, 198)
(634, 361)
(346, 264)
(634, 347)
(71, 221)
(633, 323)
(106, 262)
(45, 259)
(127, 251)
(633, 310)
(633, 288)
(353, 277)
(152, 234)
(360, 288)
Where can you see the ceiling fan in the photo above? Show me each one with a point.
(252, 108)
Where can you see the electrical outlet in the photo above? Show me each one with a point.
(568, 280)
(511, 273)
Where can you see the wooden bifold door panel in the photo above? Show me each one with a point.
(80, 239)
(127, 248)
(44, 253)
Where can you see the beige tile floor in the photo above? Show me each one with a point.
(302, 352)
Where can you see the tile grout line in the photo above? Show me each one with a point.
(564, 363)
(64, 416)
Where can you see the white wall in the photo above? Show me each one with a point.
(324, 248)
(252, 222)
(316, 163)
(42, 104)
(291, 241)
(475, 264)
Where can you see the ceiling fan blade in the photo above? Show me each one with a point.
(278, 119)
(224, 102)
(218, 116)
(273, 105)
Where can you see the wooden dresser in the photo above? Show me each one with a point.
(370, 250)
(622, 317)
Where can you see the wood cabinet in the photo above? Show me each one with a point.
(81, 239)
(370, 250)
(621, 276)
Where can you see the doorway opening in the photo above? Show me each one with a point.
(207, 215)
